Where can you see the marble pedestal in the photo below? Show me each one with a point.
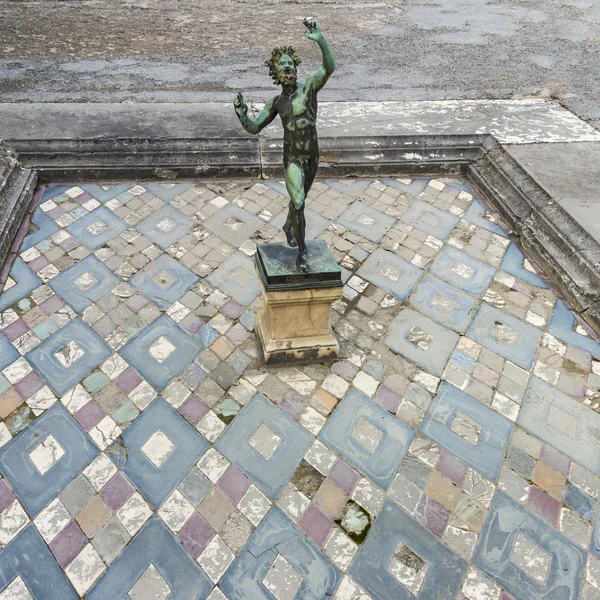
(294, 322)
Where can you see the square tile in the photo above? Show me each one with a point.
(379, 463)
(421, 340)
(236, 277)
(161, 351)
(275, 549)
(26, 281)
(513, 263)
(315, 223)
(84, 283)
(173, 568)
(366, 221)
(430, 219)
(506, 335)
(559, 420)
(233, 224)
(507, 522)
(162, 447)
(28, 561)
(104, 193)
(164, 280)
(444, 303)
(165, 226)
(391, 273)
(68, 355)
(379, 561)
(483, 447)
(270, 474)
(97, 228)
(60, 447)
(45, 227)
(562, 325)
(462, 271)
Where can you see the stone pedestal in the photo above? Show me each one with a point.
(294, 322)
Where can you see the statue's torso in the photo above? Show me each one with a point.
(299, 118)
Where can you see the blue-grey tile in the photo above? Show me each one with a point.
(83, 283)
(476, 214)
(380, 459)
(366, 221)
(233, 224)
(53, 191)
(277, 535)
(157, 482)
(236, 278)
(444, 303)
(580, 502)
(487, 454)
(506, 335)
(28, 556)
(562, 325)
(431, 344)
(45, 228)
(371, 565)
(512, 263)
(414, 188)
(160, 371)
(27, 281)
(97, 228)
(154, 545)
(104, 195)
(493, 554)
(462, 271)
(564, 423)
(61, 377)
(195, 486)
(8, 353)
(270, 474)
(390, 272)
(165, 226)
(33, 489)
(164, 280)
(349, 187)
(430, 219)
(168, 191)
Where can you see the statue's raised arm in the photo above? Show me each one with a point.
(318, 79)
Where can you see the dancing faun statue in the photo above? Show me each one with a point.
(297, 107)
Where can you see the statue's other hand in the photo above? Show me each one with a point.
(313, 31)
(241, 108)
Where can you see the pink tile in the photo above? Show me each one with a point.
(451, 467)
(554, 459)
(68, 544)
(316, 524)
(39, 263)
(15, 330)
(195, 535)
(52, 304)
(89, 415)
(432, 515)
(544, 504)
(29, 385)
(117, 491)
(193, 410)
(128, 380)
(233, 483)
(6, 495)
(344, 476)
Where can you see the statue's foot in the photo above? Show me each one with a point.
(291, 238)
(302, 262)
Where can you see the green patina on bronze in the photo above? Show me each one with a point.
(297, 107)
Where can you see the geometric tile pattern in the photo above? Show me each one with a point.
(97, 228)
(495, 554)
(366, 221)
(233, 224)
(514, 263)
(371, 567)
(204, 466)
(484, 451)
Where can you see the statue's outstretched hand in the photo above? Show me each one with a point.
(313, 31)
(240, 106)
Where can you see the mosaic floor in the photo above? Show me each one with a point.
(452, 452)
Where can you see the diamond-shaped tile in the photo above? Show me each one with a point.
(382, 439)
(68, 355)
(366, 221)
(55, 432)
(514, 264)
(390, 272)
(462, 271)
(395, 539)
(508, 523)
(84, 283)
(28, 566)
(430, 219)
(26, 281)
(164, 280)
(172, 567)
(97, 228)
(265, 441)
(165, 226)
(233, 224)
(161, 351)
(279, 562)
(236, 278)
(161, 448)
(270, 474)
(45, 227)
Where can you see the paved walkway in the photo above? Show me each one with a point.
(451, 452)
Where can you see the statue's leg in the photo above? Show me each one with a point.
(294, 181)
(288, 226)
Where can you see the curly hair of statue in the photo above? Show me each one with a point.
(276, 54)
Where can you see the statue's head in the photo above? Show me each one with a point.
(282, 65)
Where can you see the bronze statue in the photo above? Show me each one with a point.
(297, 107)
